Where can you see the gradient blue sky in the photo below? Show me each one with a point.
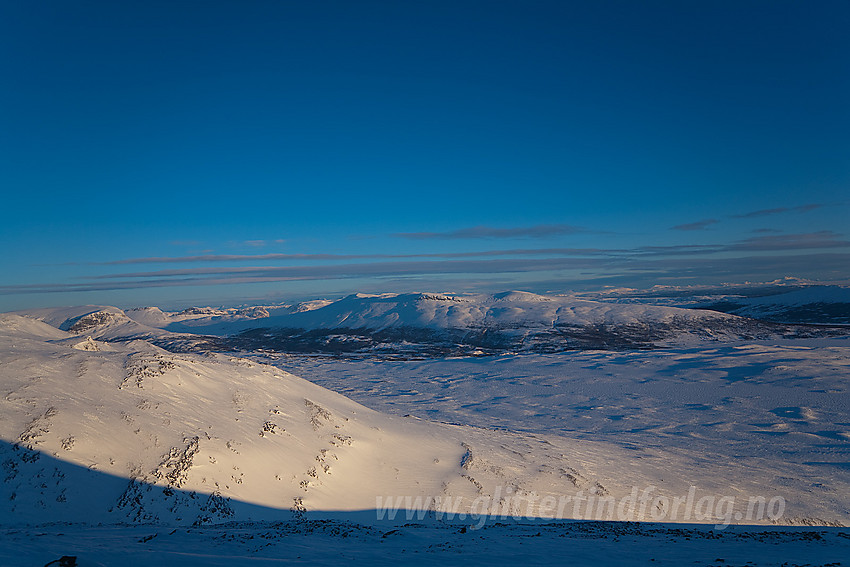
(176, 153)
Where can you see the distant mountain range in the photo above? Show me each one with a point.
(814, 304)
(423, 324)
(784, 301)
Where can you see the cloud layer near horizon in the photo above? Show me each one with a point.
(768, 256)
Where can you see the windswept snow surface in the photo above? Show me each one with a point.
(773, 406)
(788, 395)
(334, 543)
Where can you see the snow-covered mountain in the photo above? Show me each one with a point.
(510, 310)
(97, 431)
(811, 304)
(421, 324)
(440, 324)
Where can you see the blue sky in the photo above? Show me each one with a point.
(176, 153)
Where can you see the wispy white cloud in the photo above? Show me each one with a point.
(698, 225)
(342, 257)
(807, 241)
(778, 210)
(226, 258)
(536, 231)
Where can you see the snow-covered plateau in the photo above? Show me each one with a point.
(464, 429)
